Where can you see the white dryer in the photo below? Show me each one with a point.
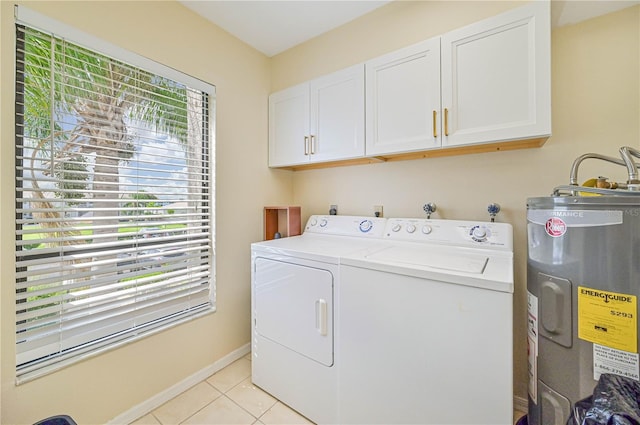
(426, 326)
(294, 300)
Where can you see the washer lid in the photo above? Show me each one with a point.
(468, 263)
(482, 268)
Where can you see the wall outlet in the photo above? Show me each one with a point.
(333, 210)
(377, 211)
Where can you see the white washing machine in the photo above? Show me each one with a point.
(294, 300)
(426, 326)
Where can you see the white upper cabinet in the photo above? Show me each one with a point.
(289, 126)
(496, 78)
(487, 83)
(403, 100)
(337, 115)
(318, 121)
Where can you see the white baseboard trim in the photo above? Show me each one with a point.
(520, 404)
(159, 399)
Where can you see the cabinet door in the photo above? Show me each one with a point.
(337, 115)
(496, 78)
(289, 126)
(402, 96)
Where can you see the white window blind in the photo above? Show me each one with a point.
(114, 200)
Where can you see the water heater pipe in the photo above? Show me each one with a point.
(573, 178)
(626, 152)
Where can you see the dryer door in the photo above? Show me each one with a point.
(294, 307)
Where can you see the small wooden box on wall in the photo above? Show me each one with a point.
(284, 221)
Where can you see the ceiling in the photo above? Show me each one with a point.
(273, 26)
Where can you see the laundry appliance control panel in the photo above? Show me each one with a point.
(344, 225)
(451, 232)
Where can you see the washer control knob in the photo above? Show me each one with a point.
(426, 229)
(366, 225)
(314, 221)
(411, 228)
(479, 233)
(323, 222)
(396, 228)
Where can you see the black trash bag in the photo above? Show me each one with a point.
(57, 420)
(579, 411)
(615, 401)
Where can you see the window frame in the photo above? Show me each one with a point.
(35, 20)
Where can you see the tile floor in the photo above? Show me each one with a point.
(228, 397)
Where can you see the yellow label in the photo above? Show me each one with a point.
(608, 318)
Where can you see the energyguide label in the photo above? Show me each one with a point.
(608, 319)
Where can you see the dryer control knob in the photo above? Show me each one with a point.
(366, 225)
(323, 222)
(426, 229)
(313, 222)
(411, 228)
(396, 228)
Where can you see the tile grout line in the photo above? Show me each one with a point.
(234, 402)
(155, 417)
(224, 394)
(250, 414)
(203, 407)
(257, 418)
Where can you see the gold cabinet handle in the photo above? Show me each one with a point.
(446, 122)
(435, 131)
(313, 144)
(306, 145)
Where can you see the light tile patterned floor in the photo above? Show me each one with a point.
(228, 397)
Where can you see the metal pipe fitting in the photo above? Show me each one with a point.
(573, 177)
(626, 152)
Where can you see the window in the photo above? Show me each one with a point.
(114, 198)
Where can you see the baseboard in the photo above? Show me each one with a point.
(158, 400)
(520, 404)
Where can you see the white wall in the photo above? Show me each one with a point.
(97, 390)
(595, 108)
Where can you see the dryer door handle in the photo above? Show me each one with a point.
(321, 316)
